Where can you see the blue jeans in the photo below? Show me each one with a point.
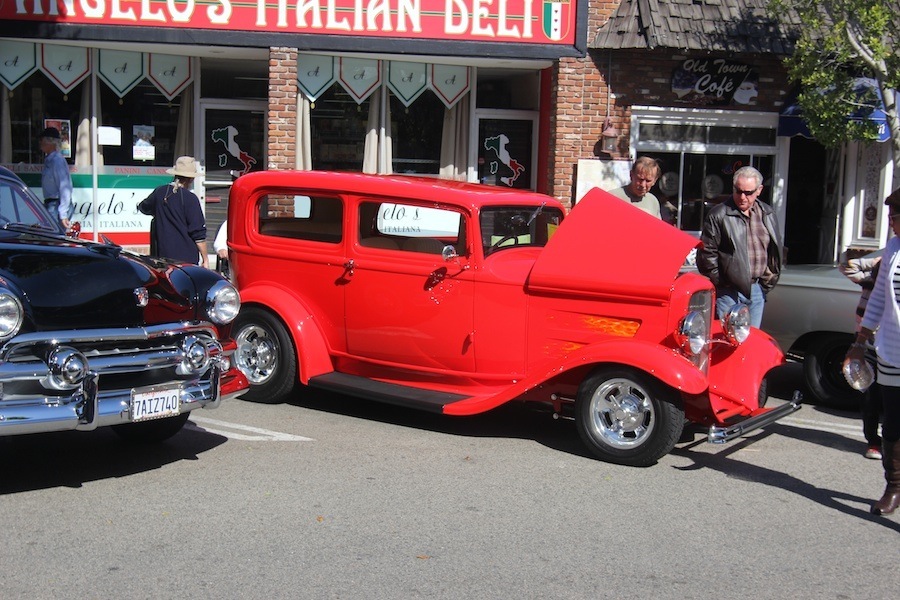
(727, 297)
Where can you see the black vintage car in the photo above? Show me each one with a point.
(93, 336)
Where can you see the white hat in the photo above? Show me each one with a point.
(185, 166)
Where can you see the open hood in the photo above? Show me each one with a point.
(606, 246)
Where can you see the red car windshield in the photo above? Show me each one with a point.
(511, 226)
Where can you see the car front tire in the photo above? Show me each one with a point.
(822, 371)
(265, 355)
(626, 417)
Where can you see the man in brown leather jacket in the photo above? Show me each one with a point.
(742, 247)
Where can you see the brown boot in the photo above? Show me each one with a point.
(890, 501)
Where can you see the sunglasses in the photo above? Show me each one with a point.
(741, 192)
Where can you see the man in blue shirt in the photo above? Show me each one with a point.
(55, 179)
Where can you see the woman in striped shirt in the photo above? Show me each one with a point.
(882, 320)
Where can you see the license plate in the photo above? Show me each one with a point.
(155, 402)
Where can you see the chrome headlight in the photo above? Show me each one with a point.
(737, 323)
(11, 315)
(693, 333)
(222, 303)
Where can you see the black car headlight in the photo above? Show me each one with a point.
(11, 315)
(222, 303)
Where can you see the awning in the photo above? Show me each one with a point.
(791, 121)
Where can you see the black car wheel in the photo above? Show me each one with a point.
(625, 416)
(822, 371)
(265, 354)
(151, 431)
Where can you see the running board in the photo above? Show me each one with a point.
(720, 435)
(390, 393)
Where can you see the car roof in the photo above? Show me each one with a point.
(470, 195)
(4, 172)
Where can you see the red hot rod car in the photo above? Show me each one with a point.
(457, 298)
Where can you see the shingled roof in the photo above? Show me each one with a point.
(724, 25)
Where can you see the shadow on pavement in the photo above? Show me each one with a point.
(513, 420)
(72, 458)
(722, 462)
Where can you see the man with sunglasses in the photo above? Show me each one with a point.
(742, 247)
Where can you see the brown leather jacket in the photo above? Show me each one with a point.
(723, 257)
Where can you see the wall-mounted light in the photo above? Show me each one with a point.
(610, 137)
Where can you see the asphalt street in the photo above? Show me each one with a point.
(333, 497)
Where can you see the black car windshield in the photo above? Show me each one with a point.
(17, 206)
(516, 226)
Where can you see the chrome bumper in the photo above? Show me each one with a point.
(89, 408)
(722, 434)
(163, 350)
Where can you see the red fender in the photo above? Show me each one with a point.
(666, 364)
(309, 342)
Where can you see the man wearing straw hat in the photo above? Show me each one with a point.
(180, 228)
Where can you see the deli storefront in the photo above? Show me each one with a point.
(444, 88)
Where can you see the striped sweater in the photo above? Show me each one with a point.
(882, 311)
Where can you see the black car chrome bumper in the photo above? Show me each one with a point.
(722, 434)
(40, 392)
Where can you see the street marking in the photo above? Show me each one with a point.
(261, 434)
(829, 426)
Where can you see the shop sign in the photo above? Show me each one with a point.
(715, 82)
(169, 73)
(65, 66)
(449, 82)
(110, 207)
(315, 74)
(493, 21)
(120, 70)
(359, 76)
(407, 80)
(18, 60)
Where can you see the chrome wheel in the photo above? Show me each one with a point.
(628, 417)
(257, 354)
(265, 355)
(622, 414)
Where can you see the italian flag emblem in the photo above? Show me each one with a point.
(556, 19)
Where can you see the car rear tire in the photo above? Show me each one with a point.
(822, 371)
(627, 417)
(148, 432)
(265, 355)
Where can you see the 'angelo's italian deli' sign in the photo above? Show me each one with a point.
(521, 21)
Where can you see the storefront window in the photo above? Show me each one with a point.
(416, 134)
(698, 152)
(338, 126)
(691, 183)
(37, 99)
(148, 123)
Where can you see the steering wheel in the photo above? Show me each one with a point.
(505, 238)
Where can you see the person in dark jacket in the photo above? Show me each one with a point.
(179, 227)
(742, 247)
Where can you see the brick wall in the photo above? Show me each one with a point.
(282, 115)
(581, 98)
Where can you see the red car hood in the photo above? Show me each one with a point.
(607, 246)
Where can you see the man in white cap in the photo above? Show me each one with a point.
(179, 227)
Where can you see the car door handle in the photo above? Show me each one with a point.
(349, 266)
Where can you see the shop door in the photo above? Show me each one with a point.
(233, 143)
(507, 148)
